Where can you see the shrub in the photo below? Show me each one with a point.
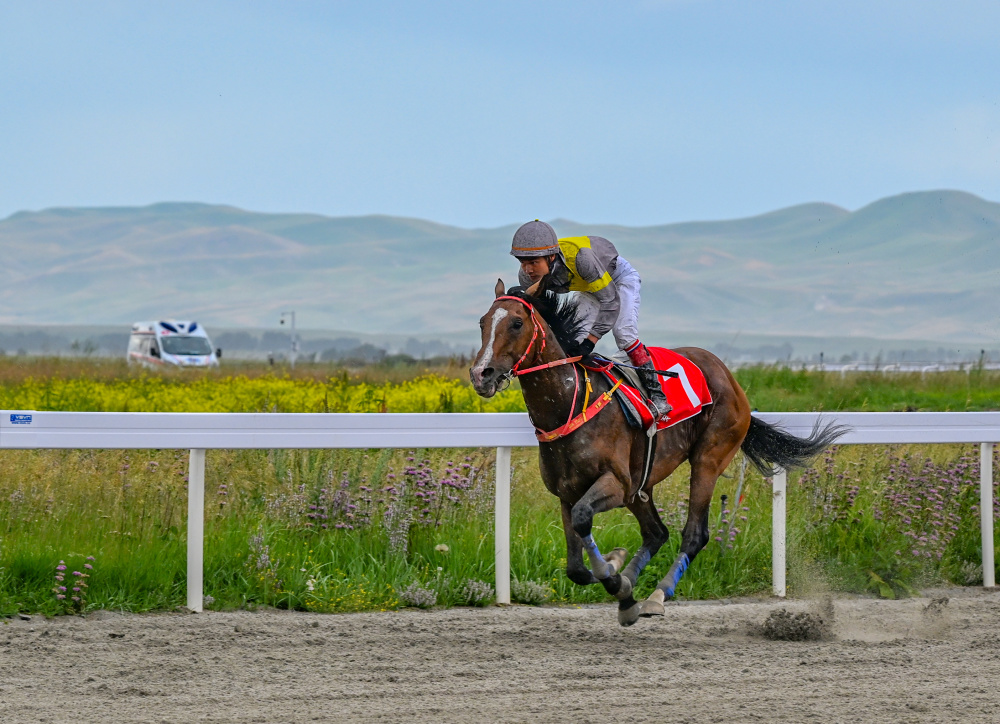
(532, 593)
(417, 596)
(477, 593)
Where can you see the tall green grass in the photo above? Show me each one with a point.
(126, 510)
(854, 523)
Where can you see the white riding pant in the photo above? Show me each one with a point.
(626, 329)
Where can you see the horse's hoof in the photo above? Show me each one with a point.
(616, 559)
(624, 588)
(651, 608)
(628, 616)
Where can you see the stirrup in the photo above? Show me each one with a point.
(664, 414)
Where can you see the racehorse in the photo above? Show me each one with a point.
(600, 464)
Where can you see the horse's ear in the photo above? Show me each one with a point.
(499, 289)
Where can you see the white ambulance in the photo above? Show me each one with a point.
(173, 342)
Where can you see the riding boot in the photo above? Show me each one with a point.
(651, 380)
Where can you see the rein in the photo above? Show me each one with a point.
(572, 423)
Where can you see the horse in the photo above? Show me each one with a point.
(601, 464)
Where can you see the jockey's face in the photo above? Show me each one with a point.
(536, 267)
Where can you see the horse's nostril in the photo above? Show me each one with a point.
(488, 372)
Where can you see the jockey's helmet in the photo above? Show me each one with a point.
(536, 238)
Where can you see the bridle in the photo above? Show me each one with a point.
(572, 423)
(505, 379)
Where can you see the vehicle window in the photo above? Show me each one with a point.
(185, 345)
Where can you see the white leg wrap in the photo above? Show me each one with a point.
(600, 567)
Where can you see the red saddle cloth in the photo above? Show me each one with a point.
(688, 392)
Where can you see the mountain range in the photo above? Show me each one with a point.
(923, 265)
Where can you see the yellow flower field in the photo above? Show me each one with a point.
(154, 393)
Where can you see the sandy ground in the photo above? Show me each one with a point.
(900, 661)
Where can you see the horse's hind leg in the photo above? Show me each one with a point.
(707, 465)
(605, 494)
(654, 535)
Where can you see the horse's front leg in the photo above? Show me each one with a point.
(576, 570)
(605, 494)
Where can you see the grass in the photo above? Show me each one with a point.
(882, 521)
(781, 389)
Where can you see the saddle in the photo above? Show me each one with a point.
(684, 386)
(620, 370)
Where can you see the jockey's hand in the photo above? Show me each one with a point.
(584, 348)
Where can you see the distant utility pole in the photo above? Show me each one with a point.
(295, 341)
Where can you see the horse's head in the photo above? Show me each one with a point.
(508, 329)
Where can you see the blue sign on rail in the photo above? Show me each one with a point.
(20, 419)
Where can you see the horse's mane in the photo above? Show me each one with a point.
(566, 321)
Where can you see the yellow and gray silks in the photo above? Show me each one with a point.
(585, 264)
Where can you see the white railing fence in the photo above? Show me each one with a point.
(198, 432)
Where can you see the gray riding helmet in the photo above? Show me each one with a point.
(536, 238)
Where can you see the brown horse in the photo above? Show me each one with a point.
(599, 466)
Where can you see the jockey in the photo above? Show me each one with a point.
(591, 264)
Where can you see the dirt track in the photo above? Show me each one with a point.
(906, 660)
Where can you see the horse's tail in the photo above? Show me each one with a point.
(768, 445)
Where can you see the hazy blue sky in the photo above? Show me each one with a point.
(480, 114)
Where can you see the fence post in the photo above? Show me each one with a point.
(778, 485)
(986, 510)
(501, 528)
(196, 530)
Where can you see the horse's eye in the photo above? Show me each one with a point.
(516, 324)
